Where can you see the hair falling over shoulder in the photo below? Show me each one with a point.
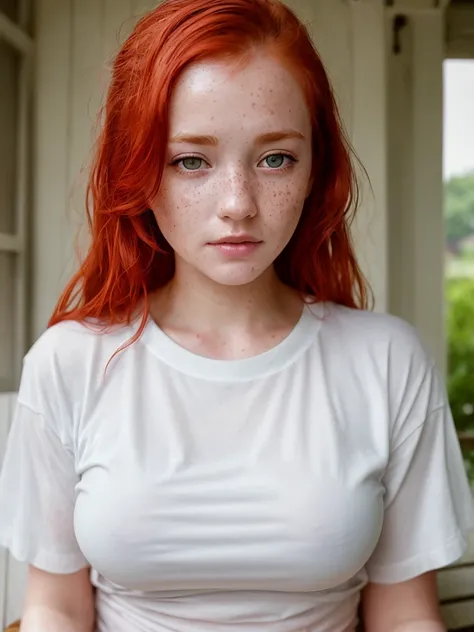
(127, 258)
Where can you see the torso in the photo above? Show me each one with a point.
(214, 493)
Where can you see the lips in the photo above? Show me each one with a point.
(236, 246)
(236, 239)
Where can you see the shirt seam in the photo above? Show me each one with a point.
(420, 425)
(21, 402)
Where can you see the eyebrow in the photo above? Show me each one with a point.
(263, 139)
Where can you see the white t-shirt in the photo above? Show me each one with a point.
(254, 494)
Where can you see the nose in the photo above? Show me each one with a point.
(236, 200)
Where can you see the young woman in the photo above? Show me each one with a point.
(213, 434)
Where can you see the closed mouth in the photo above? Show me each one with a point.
(236, 241)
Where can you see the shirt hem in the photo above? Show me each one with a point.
(441, 557)
(45, 560)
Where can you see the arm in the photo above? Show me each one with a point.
(58, 603)
(410, 606)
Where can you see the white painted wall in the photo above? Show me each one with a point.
(75, 39)
(369, 136)
(415, 194)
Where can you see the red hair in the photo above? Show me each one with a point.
(127, 258)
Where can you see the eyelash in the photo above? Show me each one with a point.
(176, 163)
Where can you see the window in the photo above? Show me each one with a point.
(16, 49)
(459, 246)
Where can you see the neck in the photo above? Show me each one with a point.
(192, 302)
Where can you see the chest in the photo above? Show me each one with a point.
(267, 485)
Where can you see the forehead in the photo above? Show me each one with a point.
(218, 97)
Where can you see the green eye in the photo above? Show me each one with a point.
(275, 161)
(192, 163)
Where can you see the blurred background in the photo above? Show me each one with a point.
(403, 73)
(458, 207)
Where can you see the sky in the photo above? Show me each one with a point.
(458, 117)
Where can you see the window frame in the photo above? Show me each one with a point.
(16, 36)
(459, 30)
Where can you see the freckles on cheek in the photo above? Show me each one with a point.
(185, 216)
(287, 201)
(189, 207)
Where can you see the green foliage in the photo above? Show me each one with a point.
(460, 297)
(469, 464)
(459, 209)
(459, 224)
(467, 251)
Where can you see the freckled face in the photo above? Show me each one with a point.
(238, 168)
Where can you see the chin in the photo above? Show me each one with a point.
(234, 279)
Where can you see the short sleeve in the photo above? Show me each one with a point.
(37, 496)
(428, 502)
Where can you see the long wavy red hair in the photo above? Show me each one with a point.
(127, 258)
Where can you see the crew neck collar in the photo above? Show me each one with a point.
(271, 361)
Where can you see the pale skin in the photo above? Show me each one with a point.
(224, 179)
